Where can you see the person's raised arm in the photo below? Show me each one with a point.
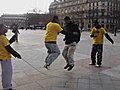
(92, 33)
(109, 38)
(12, 51)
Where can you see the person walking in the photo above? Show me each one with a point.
(115, 31)
(5, 58)
(70, 42)
(53, 29)
(98, 33)
(16, 32)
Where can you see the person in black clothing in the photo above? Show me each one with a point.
(16, 32)
(71, 41)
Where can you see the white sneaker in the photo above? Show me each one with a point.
(98, 65)
(91, 64)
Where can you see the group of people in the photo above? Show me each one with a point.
(53, 29)
(72, 37)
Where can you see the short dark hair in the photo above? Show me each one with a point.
(67, 18)
(97, 25)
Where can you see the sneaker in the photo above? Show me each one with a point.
(98, 65)
(47, 67)
(66, 66)
(91, 63)
(70, 67)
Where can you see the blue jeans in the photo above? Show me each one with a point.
(6, 66)
(53, 53)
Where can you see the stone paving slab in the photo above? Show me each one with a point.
(29, 73)
(115, 72)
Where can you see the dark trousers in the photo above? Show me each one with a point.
(97, 49)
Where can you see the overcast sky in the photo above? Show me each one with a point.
(23, 6)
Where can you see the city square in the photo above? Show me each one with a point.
(87, 32)
(29, 73)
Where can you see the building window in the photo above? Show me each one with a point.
(93, 4)
(89, 4)
(103, 4)
(102, 13)
(89, 26)
(102, 22)
(97, 4)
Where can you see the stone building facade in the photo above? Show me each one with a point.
(85, 12)
(26, 20)
(9, 19)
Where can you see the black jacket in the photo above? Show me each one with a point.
(71, 27)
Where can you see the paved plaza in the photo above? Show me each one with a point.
(29, 73)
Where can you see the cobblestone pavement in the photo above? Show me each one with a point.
(29, 73)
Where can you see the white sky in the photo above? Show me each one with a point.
(23, 6)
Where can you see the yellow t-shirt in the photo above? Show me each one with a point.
(52, 31)
(99, 33)
(4, 54)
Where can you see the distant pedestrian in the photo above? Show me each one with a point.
(70, 42)
(115, 31)
(5, 58)
(53, 29)
(98, 33)
(15, 31)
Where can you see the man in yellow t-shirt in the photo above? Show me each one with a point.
(52, 30)
(98, 33)
(5, 58)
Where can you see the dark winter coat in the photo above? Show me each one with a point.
(71, 27)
